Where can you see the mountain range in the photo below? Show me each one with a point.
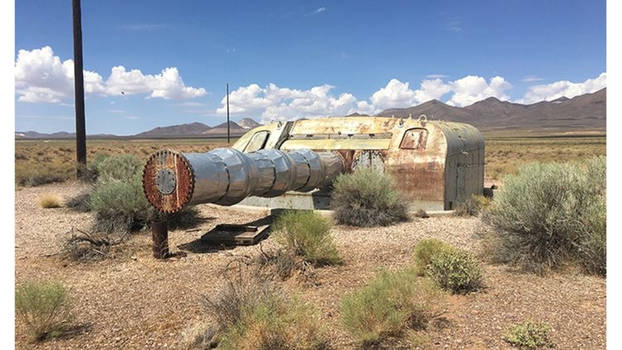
(581, 113)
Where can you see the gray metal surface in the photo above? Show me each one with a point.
(226, 176)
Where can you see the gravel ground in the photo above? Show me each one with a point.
(135, 302)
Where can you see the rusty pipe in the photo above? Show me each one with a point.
(226, 176)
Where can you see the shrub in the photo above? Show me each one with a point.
(422, 214)
(307, 234)
(80, 202)
(425, 250)
(472, 206)
(120, 205)
(257, 315)
(550, 214)
(391, 303)
(35, 175)
(367, 197)
(529, 334)
(44, 307)
(455, 270)
(92, 167)
(49, 201)
(122, 167)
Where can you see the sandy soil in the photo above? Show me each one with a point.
(136, 302)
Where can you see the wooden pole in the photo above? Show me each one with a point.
(228, 132)
(79, 91)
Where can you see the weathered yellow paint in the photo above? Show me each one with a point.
(337, 144)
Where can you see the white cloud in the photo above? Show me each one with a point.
(471, 89)
(531, 79)
(319, 10)
(40, 76)
(561, 88)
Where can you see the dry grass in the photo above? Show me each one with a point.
(39, 162)
(504, 155)
(49, 200)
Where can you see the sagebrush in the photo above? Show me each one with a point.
(367, 197)
(307, 234)
(388, 305)
(550, 214)
(49, 201)
(255, 314)
(44, 308)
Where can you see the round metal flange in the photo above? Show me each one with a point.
(168, 181)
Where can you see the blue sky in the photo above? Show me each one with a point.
(288, 59)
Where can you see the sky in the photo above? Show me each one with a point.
(157, 63)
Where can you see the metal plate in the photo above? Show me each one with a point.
(165, 181)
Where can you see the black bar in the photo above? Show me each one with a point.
(79, 90)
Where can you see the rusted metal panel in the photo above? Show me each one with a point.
(437, 163)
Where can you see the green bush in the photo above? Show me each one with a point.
(530, 335)
(366, 198)
(425, 250)
(120, 205)
(551, 214)
(255, 314)
(455, 270)
(391, 303)
(44, 308)
(122, 167)
(307, 234)
(80, 202)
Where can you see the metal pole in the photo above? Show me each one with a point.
(228, 132)
(79, 90)
(159, 235)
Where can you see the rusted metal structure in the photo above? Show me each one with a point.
(226, 176)
(437, 164)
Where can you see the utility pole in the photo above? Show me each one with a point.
(228, 127)
(79, 91)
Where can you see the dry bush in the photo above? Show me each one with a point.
(422, 214)
(425, 250)
(552, 214)
(472, 206)
(307, 234)
(366, 198)
(252, 313)
(49, 201)
(387, 306)
(90, 246)
(44, 308)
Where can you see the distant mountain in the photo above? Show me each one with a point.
(221, 129)
(192, 129)
(248, 123)
(585, 112)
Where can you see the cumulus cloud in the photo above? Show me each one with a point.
(471, 89)
(549, 92)
(40, 76)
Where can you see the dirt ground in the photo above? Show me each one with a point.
(133, 301)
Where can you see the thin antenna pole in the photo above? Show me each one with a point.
(79, 90)
(228, 131)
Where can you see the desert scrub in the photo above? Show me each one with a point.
(49, 201)
(122, 167)
(388, 305)
(307, 234)
(255, 314)
(120, 205)
(425, 250)
(44, 308)
(472, 206)
(366, 198)
(529, 335)
(80, 202)
(551, 214)
(455, 270)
